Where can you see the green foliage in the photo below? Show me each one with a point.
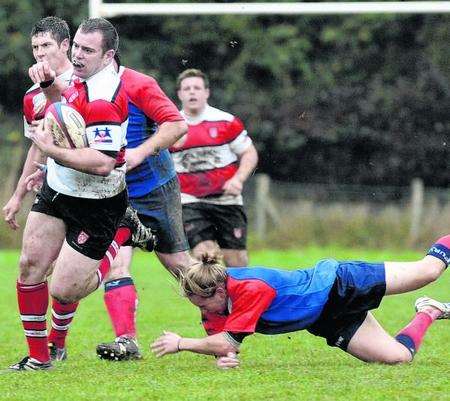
(338, 99)
(284, 367)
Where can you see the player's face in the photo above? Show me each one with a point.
(215, 304)
(193, 95)
(87, 54)
(46, 48)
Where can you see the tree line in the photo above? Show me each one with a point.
(327, 99)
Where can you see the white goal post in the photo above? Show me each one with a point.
(97, 8)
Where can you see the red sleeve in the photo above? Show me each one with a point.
(27, 109)
(147, 95)
(235, 128)
(250, 299)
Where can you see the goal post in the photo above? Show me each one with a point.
(98, 8)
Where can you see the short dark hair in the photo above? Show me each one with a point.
(55, 26)
(109, 33)
(192, 72)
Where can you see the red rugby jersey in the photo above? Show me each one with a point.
(210, 154)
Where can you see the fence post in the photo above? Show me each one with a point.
(417, 199)
(261, 196)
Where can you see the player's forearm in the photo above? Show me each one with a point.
(87, 160)
(168, 134)
(247, 163)
(34, 155)
(216, 344)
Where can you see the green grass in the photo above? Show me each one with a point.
(298, 366)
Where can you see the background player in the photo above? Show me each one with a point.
(331, 300)
(212, 162)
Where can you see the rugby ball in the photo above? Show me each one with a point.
(66, 125)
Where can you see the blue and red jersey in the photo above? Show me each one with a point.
(148, 107)
(273, 301)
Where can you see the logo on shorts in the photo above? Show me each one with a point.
(82, 238)
(238, 232)
(213, 132)
(339, 341)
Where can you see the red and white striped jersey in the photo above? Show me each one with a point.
(103, 103)
(210, 156)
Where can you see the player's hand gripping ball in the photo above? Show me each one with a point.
(66, 125)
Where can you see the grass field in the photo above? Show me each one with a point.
(298, 366)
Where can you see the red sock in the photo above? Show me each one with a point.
(445, 240)
(412, 335)
(62, 316)
(123, 234)
(121, 301)
(33, 304)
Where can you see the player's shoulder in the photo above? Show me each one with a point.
(105, 85)
(33, 90)
(138, 85)
(127, 74)
(215, 114)
(252, 278)
(34, 101)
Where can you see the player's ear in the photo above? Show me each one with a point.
(109, 56)
(65, 45)
(207, 93)
(221, 290)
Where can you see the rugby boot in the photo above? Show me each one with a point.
(141, 236)
(426, 302)
(122, 349)
(57, 354)
(29, 364)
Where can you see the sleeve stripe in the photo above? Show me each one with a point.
(113, 100)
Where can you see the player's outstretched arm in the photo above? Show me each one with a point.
(171, 343)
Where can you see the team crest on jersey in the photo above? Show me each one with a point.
(238, 232)
(213, 132)
(82, 238)
(102, 135)
(39, 102)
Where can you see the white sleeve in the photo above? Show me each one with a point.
(109, 137)
(241, 143)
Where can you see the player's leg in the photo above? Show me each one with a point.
(231, 224)
(74, 276)
(159, 210)
(408, 276)
(235, 257)
(371, 343)
(130, 230)
(200, 230)
(91, 226)
(42, 239)
(164, 214)
(121, 302)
